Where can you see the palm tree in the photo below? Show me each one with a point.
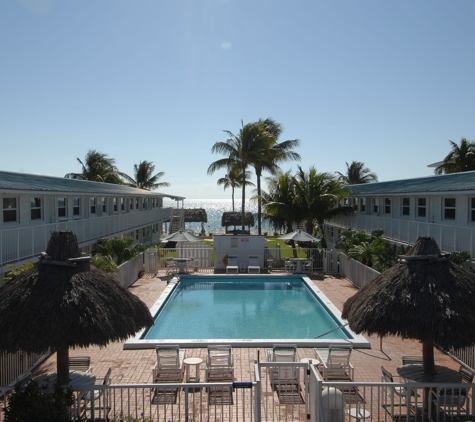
(271, 154)
(356, 174)
(316, 199)
(233, 179)
(278, 201)
(461, 158)
(144, 177)
(368, 252)
(241, 151)
(118, 248)
(98, 167)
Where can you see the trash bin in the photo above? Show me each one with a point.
(333, 405)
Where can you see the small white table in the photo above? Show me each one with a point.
(299, 262)
(315, 361)
(359, 413)
(189, 362)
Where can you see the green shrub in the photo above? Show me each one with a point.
(35, 403)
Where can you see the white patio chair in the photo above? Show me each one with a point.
(80, 363)
(253, 267)
(335, 363)
(394, 398)
(289, 266)
(101, 397)
(232, 266)
(452, 400)
(308, 266)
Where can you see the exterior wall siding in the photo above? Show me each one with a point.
(19, 243)
(450, 234)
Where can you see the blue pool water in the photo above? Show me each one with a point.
(243, 308)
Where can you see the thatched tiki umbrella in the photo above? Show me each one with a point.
(425, 297)
(65, 302)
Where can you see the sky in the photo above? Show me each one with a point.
(385, 82)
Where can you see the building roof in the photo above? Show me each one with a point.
(235, 219)
(49, 184)
(196, 215)
(454, 182)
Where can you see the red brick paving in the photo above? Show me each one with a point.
(135, 366)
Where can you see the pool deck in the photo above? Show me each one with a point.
(135, 366)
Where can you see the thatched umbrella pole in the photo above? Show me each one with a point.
(428, 356)
(62, 365)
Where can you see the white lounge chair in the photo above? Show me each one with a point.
(253, 267)
(232, 266)
(220, 363)
(283, 375)
(220, 368)
(335, 363)
(169, 366)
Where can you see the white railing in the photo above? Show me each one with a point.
(448, 237)
(308, 399)
(223, 401)
(28, 242)
(274, 258)
(203, 256)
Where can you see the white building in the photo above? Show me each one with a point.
(33, 206)
(442, 207)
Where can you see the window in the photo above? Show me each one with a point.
(62, 208)
(76, 205)
(136, 203)
(35, 208)
(114, 204)
(122, 204)
(144, 204)
(406, 206)
(362, 204)
(375, 205)
(92, 203)
(449, 208)
(136, 235)
(9, 210)
(103, 205)
(387, 206)
(421, 207)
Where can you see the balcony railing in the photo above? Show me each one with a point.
(28, 242)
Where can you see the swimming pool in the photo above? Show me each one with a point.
(245, 311)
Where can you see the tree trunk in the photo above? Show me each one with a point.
(259, 211)
(243, 207)
(428, 356)
(62, 365)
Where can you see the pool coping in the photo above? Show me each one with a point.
(358, 340)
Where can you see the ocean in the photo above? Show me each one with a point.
(214, 210)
